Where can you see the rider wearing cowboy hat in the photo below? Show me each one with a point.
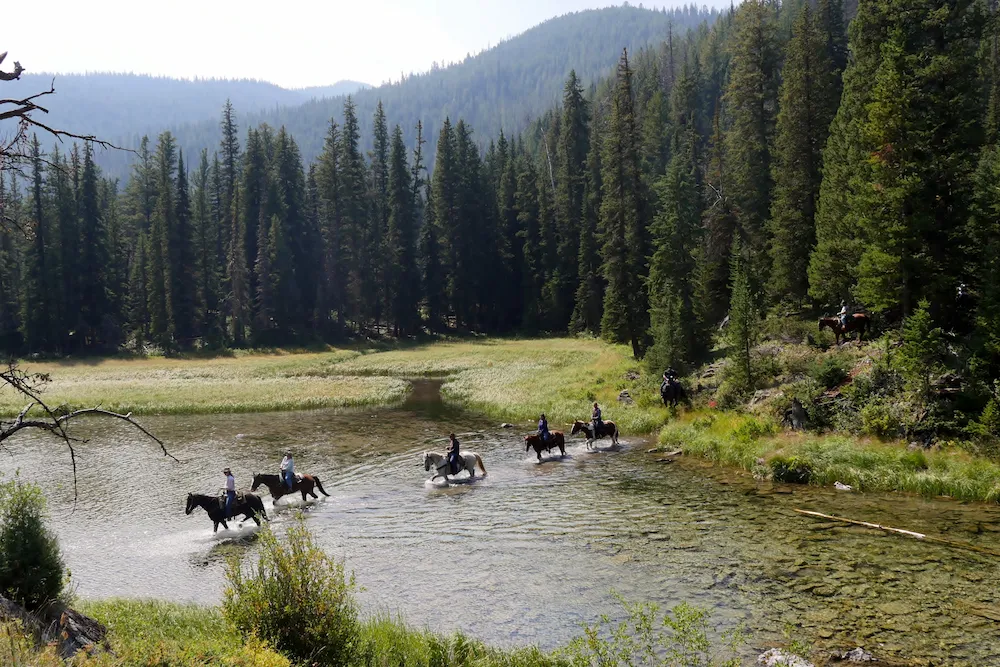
(230, 490)
(288, 470)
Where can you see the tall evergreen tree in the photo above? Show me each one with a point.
(376, 258)
(36, 309)
(623, 211)
(741, 334)
(808, 103)
(207, 268)
(332, 286)
(589, 296)
(159, 290)
(180, 242)
(751, 104)
(403, 278)
(353, 206)
(238, 299)
(94, 258)
(230, 150)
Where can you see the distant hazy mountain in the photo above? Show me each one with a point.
(123, 106)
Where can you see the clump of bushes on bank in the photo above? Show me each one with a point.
(32, 572)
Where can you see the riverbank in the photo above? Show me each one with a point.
(866, 464)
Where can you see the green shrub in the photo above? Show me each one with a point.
(751, 429)
(882, 419)
(31, 566)
(677, 639)
(990, 418)
(828, 371)
(790, 469)
(295, 597)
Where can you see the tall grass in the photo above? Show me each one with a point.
(245, 383)
(866, 464)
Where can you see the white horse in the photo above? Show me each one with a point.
(440, 462)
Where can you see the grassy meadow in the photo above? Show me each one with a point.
(251, 382)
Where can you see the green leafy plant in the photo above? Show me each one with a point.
(828, 371)
(32, 571)
(678, 638)
(295, 597)
(790, 469)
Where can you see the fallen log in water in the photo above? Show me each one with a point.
(900, 531)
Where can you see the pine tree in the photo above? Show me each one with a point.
(626, 306)
(587, 308)
(292, 249)
(718, 229)
(35, 308)
(808, 103)
(265, 306)
(403, 277)
(230, 165)
(511, 244)
(574, 145)
(333, 282)
(180, 243)
(376, 257)
(138, 297)
(238, 299)
(161, 322)
(432, 276)
(751, 104)
(526, 204)
(445, 187)
(94, 257)
(354, 211)
(64, 271)
(207, 268)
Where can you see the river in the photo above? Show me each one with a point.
(532, 551)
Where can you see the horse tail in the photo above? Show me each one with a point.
(320, 486)
(479, 461)
(616, 431)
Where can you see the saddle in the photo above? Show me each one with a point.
(240, 497)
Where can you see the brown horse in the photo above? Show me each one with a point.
(857, 322)
(278, 488)
(587, 428)
(535, 441)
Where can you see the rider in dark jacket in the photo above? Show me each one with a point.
(595, 418)
(543, 428)
(453, 454)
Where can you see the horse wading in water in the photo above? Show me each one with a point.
(247, 504)
(304, 485)
(556, 439)
(467, 461)
(608, 428)
(857, 322)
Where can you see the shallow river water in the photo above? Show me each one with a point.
(538, 548)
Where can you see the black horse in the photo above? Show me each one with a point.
(556, 439)
(672, 393)
(249, 505)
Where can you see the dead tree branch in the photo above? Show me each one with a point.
(56, 420)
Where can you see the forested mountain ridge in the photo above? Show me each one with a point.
(503, 87)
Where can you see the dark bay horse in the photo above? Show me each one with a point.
(608, 428)
(857, 322)
(249, 505)
(556, 439)
(278, 488)
(672, 393)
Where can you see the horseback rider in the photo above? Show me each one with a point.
(669, 377)
(844, 314)
(543, 428)
(288, 470)
(230, 491)
(453, 454)
(596, 420)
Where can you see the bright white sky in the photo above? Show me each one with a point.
(294, 43)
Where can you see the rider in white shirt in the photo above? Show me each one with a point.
(230, 490)
(288, 469)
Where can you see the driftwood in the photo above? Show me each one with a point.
(901, 531)
(70, 630)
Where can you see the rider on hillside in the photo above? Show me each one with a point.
(844, 313)
(230, 490)
(543, 428)
(288, 470)
(595, 418)
(669, 375)
(453, 454)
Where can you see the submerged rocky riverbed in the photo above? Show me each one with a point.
(532, 551)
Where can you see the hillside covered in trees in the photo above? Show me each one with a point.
(504, 87)
(756, 165)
